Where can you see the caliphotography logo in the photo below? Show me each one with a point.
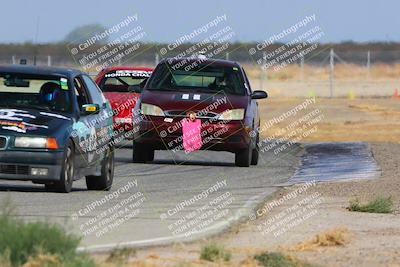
(213, 133)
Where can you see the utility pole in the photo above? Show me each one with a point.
(331, 71)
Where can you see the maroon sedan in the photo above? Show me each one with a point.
(214, 93)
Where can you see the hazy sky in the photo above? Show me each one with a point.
(164, 21)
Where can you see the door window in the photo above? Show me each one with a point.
(80, 92)
(94, 91)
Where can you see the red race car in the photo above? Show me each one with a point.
(118, 85)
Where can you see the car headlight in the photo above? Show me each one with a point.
(232, 115)
(36, 142)
(151, 110)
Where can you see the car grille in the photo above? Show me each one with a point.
(182, 114)
(3, 142)
(14, 169)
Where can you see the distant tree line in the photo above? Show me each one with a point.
(348, 51)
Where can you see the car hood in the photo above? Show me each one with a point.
(187, 101)
(22, 121)
(122, 102)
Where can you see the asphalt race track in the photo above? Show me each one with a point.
(177, 197)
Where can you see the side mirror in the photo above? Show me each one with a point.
(259, 94)
(90, 109)
(135, 89)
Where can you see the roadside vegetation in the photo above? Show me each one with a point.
(120, 256)
(275, 259)
(330, 238)
(37, 244)
(378, 205)
(214, 253)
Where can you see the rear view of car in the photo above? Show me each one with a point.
(120, 86)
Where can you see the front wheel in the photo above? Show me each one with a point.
(243, 157)
(142, 153)
(64, 185)
(105, 180)
(255, 152)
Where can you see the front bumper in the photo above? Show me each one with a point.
(232, 136)
(17, 165)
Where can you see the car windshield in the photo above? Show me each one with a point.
(119, 81)
(202, 78)
(35, 92)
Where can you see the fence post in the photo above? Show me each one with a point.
(368, 63)
(227, 56)
(157, 59)
(13, 60)
(302, 68)
(263, 71)
(331, 71)
(49, 60)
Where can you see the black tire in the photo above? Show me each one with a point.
(150, 154)
(133, 152)
(64, 185)
(142, 153)
(105, 180)
(243, 158)
(50, 187)
(254, 156)
(255, 153)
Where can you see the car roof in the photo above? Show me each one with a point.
(205, 61)
(126, 68)
(39, 70)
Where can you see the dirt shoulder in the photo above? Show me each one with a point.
(371, 239)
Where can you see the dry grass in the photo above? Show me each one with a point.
(383, 111)
(369, 120)
(249, 262)
(330, 238)
(121, 255)
(343, 72)
(142, 264)
(43, 260)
